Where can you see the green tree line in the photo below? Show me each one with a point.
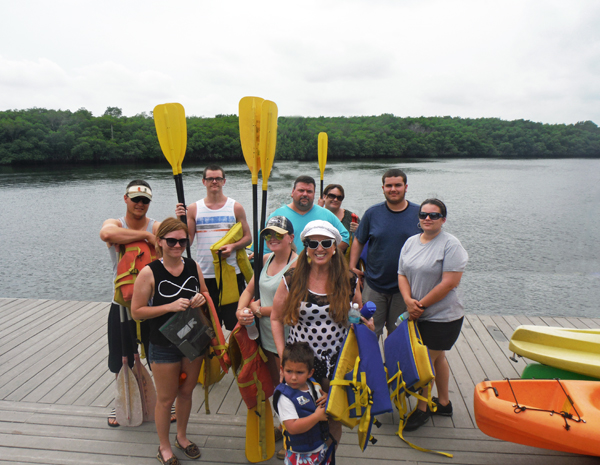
(40, 136)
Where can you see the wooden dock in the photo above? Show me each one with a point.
(56, 392)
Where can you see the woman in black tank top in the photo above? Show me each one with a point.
(166, 286)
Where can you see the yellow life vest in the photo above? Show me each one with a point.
(358, 391)
(224, 272)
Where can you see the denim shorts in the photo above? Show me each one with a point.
(164, 354)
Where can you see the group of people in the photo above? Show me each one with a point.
(310, 278)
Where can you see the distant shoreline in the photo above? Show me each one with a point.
(40, 137)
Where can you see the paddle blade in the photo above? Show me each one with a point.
(322, 152)
(128, 403)
(268, 139)
(171, 128)
(260, 434)
(250, 111)
(147, 390)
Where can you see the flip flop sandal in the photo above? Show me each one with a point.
(173, 414)
(192, 451)
(172, 461)
(112, 419)
(278, 434)
(281, 454)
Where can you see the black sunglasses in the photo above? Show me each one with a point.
(335, 197)
(433, 215)
(139, 198)
(219, 179)
(325, 243)
(171, 242)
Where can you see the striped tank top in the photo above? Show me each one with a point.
(212, 225)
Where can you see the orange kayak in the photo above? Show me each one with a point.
(560, 415)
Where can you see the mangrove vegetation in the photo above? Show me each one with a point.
(40, 136)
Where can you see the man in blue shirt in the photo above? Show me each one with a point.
(386, 226)
(302, 211)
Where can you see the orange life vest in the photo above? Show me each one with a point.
(249, 364)
(132, 258)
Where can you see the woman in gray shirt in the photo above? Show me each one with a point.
(430, 267)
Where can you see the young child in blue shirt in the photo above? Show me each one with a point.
(301, 410)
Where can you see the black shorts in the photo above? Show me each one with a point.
(115, 346)
(226, 313)
(439, 335)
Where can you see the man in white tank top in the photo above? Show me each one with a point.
(211, 218)
(134, 226)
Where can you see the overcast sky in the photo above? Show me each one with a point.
(521, 59)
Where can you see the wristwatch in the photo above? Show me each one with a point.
(257, 313)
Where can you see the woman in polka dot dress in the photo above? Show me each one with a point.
(314, 299)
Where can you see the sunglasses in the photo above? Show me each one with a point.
(339, 198)
(433, 216)
(219, 179)
(276, 235)
(325, 243)
(139, 198)
(171, 242)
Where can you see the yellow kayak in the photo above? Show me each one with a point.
(576, 350)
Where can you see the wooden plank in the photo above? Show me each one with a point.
(574, 322)
(41, 332)
(76, 394)
(465, 384)
(49, 351)
(80, 364)
(500, 335)
(22, 316)
(497, 353)
(217, 394)
(15, 307)
(589, 323)
(484, 360)
(4, 301)
(40, 342)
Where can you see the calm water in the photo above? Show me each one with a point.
(531, 227)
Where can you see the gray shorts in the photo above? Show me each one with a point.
(389, 308)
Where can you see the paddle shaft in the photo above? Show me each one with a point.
(181, 199)
(263, 214)
(257, 241)
(321, 188)
(124, 332)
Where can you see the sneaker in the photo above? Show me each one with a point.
(443, 410)
(416, 419)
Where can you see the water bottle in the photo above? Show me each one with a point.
(252, 329)
(401, 318)
(354, 314)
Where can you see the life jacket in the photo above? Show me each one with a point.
(217, 344)
(305, 406)
(249, 364)
(216, 360)
(132, 258)
(410, 371)
(359, 390)
(224, 272)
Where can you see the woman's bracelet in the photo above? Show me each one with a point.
(258, 313)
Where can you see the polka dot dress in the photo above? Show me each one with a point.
(316, 327)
